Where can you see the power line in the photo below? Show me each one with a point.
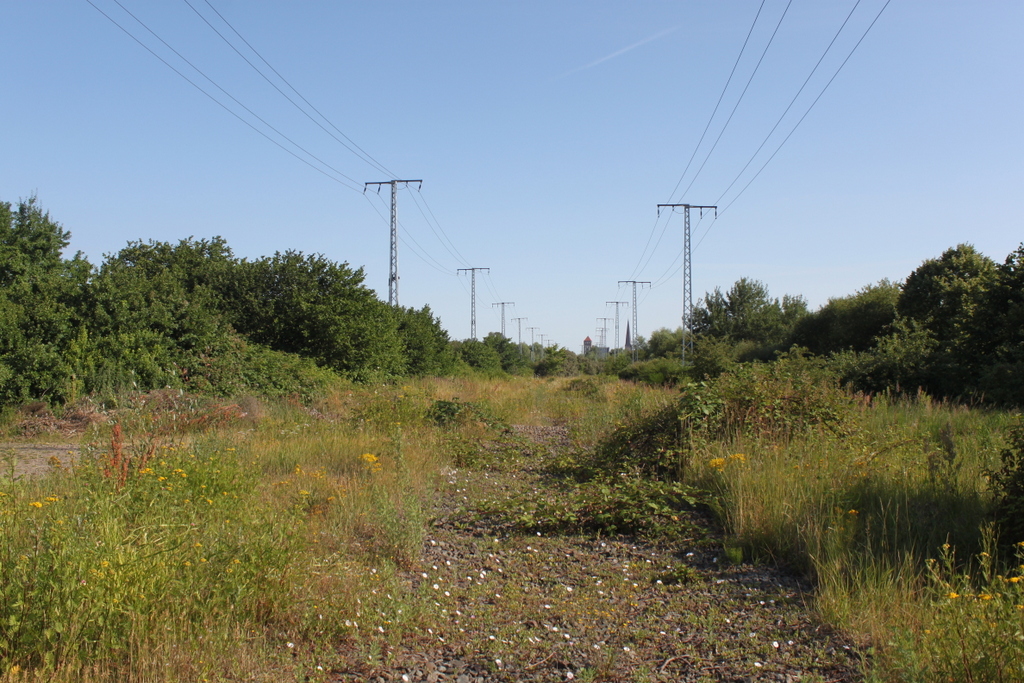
(221, 104)
(638, 269)
(736, 106)
(720, 97)
(866, 31)
(791, 102)
(350, 145)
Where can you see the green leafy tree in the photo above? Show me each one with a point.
(425, 343)
(664, 343)
(851, 322)
(314, 307)
(512, 360)
(747, 313)
(40, 293)
(479, 356)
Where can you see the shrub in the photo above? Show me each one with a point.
(1008, 484)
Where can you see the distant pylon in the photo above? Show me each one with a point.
(472, 314)
(634, 283)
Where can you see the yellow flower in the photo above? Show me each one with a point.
(369, 457)
(953, 595)
(717, 463)
(738, 456)
(36, 504)
(984, 596)
(52, 499)
(854, 512)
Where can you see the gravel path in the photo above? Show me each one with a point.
(509, 606)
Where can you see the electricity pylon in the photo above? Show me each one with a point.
(503, 304)
(393, 275)
(532, 330)
(617, 304)
(472, 314)
(687, 274)
(602, 332)
(519, 324)
(634, 283)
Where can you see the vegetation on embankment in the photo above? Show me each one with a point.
(202, 537)
(904, 511)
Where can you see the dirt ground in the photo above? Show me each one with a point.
(33, 459)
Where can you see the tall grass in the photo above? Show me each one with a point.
(219, 540)
(876, 516)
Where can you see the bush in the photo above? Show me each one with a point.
(1008, 485)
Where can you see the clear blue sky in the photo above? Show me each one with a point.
(545, 133)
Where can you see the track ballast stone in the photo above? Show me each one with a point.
(511, 606)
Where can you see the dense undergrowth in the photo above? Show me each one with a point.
(904, 511)
(201, 539)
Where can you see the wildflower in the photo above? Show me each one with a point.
(953, 595)
(36, 504)
(52, 499)
(1014, 579)
(984, 596)
(717, 463)
(738, 456)
(854, 512)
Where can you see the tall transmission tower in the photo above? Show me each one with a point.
(602, 332)
(393, 275)
(532, 330)
(617, 304)
(687, 345)
(472, 315)
(519, 324)
(634, 283)
(503, 304)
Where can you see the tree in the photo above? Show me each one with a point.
(312, 306)
(40, 293)
(851, 322)
(511, 356)
(425, 343)
(479, 356)
(748, 313)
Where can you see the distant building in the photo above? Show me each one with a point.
(587, 344)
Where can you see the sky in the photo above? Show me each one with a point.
(843, 142)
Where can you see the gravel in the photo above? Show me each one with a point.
(503, 605)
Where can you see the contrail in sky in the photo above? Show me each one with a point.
(618, 53)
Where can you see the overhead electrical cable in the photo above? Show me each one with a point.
(801, 120)
(450, 248)
(349, 145)
(228, 109)
(404, 235)
(638, 269)
(736, 106)
(791, 102)
(720, 97)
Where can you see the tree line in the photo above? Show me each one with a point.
(954, 328)
(193, 316)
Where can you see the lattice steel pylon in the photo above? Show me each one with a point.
(634, 283)
(687, 345)
(393, 272)
(472, 314)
